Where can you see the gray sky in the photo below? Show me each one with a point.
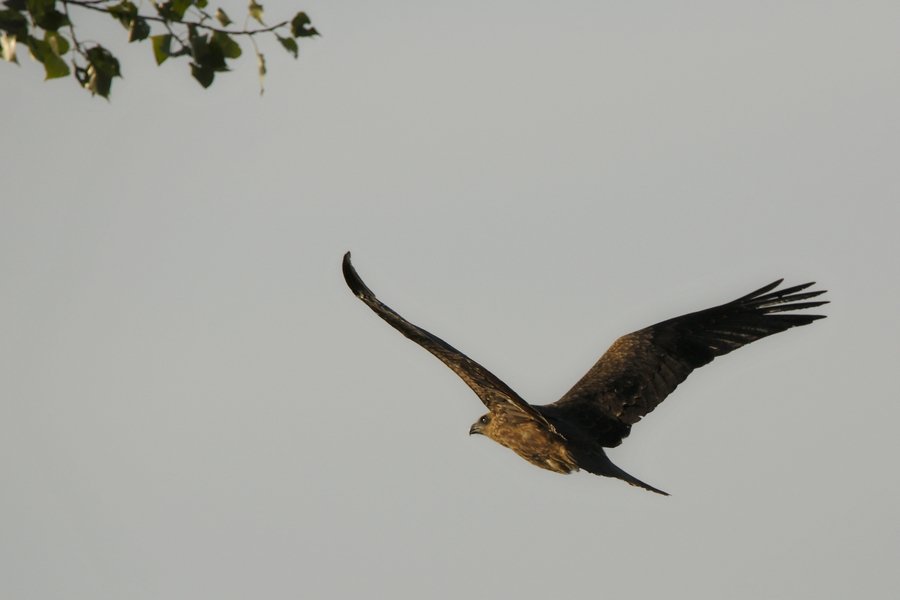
(193, 405)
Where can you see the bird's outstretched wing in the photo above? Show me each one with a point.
(485, 384)
(640, 369)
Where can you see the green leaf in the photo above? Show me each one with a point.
(8, 48)
(104, 61)
(58, 43)
(16, 4)
(102, 67)
(39, 49)
(42, 51)
(206, 54)
(222, 18)
(256, 11)
(204, 75)
(228, 47)
(40, 6)
(14, 23)
(162, 45)
(261, 62)
(289, 44)
(45, 15)
(301, 26)
(182, 5)
(173, 10)
(124, 12)
(139, 30)
(52, 20)
(199, 47)
(55, 67)
(97, 83)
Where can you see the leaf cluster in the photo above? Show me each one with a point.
(175, 28)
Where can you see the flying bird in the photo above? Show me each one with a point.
(635, 374)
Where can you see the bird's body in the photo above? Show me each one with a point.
(531, 439)
(637, 373)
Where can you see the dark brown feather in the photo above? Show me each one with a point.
(642, 368)
(487, 386)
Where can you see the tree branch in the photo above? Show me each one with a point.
(95, 5)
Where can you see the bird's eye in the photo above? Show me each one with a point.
(483, 420)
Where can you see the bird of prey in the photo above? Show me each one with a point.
(634, 375)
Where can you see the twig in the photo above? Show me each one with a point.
(93, 5)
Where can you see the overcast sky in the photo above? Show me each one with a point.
(193, 405)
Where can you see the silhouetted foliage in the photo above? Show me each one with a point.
(175, 28)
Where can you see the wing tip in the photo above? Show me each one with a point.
(761, 291)
(768, 297)
(354, 282)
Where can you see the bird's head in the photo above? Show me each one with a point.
(480, 425)
(497, 423)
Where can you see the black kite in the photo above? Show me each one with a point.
(637, 373)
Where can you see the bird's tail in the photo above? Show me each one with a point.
(599, 464)
(620, 474)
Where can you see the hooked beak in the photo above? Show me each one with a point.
(476, 428)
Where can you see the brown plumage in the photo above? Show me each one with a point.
(637, 373)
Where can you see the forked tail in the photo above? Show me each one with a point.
(620, 474)
(601, 465)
